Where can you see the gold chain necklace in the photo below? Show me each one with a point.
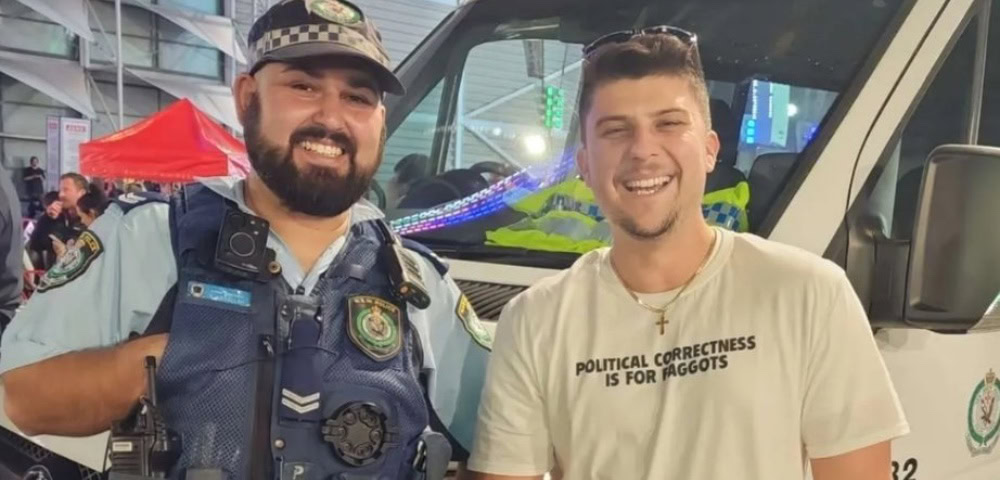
(662, 311)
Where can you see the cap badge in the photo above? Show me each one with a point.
(334, 11)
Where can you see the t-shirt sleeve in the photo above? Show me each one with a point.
(849, 400)
(512, 437)
(108, 285)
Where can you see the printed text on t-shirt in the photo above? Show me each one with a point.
(644, 369)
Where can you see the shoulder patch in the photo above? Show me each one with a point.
(77, 259)
(373, 324)
(473, 324)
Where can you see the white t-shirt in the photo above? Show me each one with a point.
(768, 360)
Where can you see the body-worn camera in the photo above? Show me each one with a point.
(242, 246)
(404, 273)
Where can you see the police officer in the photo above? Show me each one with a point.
(295, 335)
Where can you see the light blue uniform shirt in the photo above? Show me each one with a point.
(120, 290)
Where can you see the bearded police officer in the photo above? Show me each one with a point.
(294, 335)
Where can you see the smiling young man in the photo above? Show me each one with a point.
(296, 336)
(683, 351)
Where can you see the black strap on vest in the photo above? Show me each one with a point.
(164, 316)
(404, 273)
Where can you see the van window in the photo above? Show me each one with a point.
(941, 117)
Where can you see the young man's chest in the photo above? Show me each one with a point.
(727, 367)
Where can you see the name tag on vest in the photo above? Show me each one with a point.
(219, 294)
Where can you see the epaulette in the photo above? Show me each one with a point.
(427, 253)
(130, 201)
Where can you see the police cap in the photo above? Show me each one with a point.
(296, 29)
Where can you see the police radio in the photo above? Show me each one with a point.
(141, 445)
(241, 249)
(404, 273)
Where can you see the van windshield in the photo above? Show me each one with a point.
(479, 162)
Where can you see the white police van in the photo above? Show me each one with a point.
(833, 112)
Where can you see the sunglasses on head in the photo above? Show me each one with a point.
(625, 35)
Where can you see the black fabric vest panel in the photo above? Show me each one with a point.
(208, 381)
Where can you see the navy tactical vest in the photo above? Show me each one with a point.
(261, 382)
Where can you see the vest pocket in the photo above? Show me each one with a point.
(208, 382)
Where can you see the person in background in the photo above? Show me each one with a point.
(410, 170)
(91, 205)
(11, 250)
(34, 186)
(52, 223)
(151, 187)
(111, 189)
(134, 187)
(72, 186)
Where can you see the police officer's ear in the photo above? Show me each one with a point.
(244, 89)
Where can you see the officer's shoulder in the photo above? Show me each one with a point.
(422, 251)
(133, 211)
(136, 200)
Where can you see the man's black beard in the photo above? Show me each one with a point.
(314, 191)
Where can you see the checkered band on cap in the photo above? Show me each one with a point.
(313, 33)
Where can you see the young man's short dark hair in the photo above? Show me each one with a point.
(643, 56)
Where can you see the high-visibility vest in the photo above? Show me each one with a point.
(565, 218)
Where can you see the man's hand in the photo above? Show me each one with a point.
(79, 393)
(58, 246)
(868, 463)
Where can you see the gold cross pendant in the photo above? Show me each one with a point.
(663, 323)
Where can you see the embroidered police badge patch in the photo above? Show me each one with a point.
(73, 263)
(374, 326)
(334, 11)
(472, 323)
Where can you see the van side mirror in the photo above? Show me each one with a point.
(953, 276)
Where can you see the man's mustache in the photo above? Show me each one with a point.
(316, 132)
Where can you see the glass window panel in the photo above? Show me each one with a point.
(12, 90)
(171, 32)
(16, 152)
(196, 60)
(213, 7)
(28, 119)
(137, 52)
(135, 20)
(37, 36)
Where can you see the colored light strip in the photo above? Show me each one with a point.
(489, 200)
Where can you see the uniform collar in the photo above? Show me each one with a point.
(231, 188)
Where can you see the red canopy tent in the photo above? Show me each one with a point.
(177, 144)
